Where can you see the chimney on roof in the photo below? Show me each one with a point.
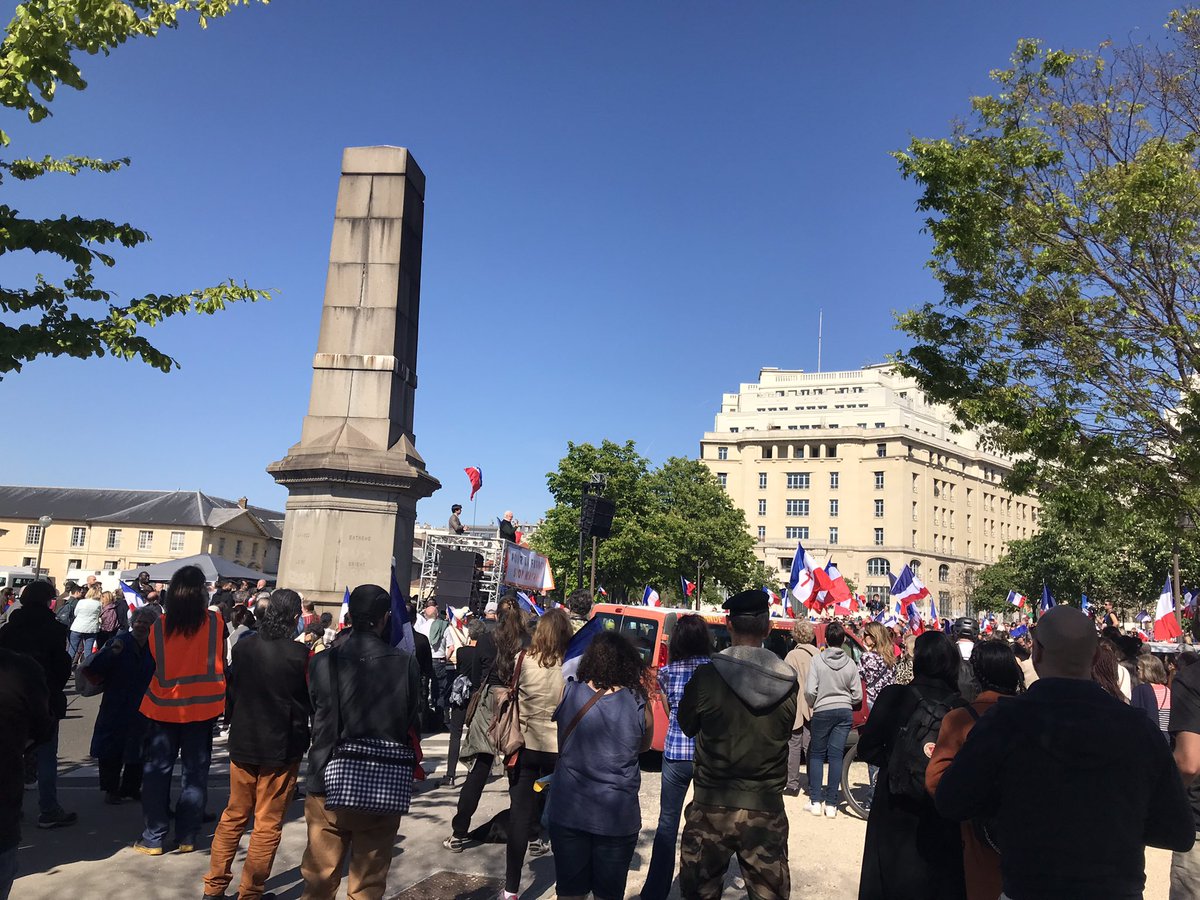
(242, 501)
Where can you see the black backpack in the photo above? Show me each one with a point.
(908, 760)
(66, 612)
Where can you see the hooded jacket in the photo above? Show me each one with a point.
(740, 709)
(34, 631)
(833, 681)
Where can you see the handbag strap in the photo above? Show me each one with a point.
(516, 675)
(579, 715)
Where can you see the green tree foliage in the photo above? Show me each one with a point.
(74, 316)
(1066, 238)
(667, 520)
(1089, 543)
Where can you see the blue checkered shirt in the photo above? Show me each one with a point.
(672, 679)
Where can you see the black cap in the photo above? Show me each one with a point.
(747, 603)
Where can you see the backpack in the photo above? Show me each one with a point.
(66, 612)
(914, 745)
(460, 692)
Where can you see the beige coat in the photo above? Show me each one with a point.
(801, 659)
(541, 690)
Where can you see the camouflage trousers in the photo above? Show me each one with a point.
(712, 834)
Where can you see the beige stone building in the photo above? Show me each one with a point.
(98, 529)
(860, 466)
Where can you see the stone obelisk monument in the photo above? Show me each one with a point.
(355, 477)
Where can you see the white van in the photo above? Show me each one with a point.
(17, 577)
(108, 579)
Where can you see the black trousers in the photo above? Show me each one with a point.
(120, 777)
(472, 790)
(458, 715)
(524, 817)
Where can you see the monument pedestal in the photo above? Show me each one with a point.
(355, 477)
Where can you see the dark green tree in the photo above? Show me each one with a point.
(74, 316)
(1066, 240)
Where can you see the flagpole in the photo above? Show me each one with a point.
(820, 329)
(474, 509)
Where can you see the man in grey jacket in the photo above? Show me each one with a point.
(833, 688)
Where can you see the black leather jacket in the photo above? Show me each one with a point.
(379, 690)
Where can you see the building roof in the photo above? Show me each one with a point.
(193, 508)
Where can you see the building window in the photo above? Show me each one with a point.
(798, 481)
(833, 536)
(944, 599)
(722, 453)
(797, 507)
(237, 549)
(914, 539)
(254, 550)
(833, 509)
(145, 539)
(879, 509)
(943, 572)
(879, 481)
(877, 565)
(28, 562)
(881, 424)
(33, 534)
(762, 507)
(176, 541)
(722, 478)
(110, 563)
(796, 532)
(881, 449)
(220, 546)
(74, 564)
(878, 537)
(113, 541)
(78, 536)
(762, 532)
(762, 481)
(914, 513)
(833, 481)
(916, 481)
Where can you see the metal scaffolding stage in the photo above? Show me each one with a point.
(491, 549)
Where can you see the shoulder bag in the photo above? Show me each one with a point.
(504, 731)
(371, 775)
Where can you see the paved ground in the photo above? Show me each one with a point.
(93, 859)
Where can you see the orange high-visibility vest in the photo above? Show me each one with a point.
(189, 674)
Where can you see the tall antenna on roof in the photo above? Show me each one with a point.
(820, 329)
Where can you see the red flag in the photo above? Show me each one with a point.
(475, 474)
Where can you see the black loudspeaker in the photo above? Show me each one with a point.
(596, 517)
(458, 577)
(457, 559)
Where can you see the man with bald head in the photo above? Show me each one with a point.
(1062, 761)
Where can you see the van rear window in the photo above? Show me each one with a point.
(642, 633)
(778, 642)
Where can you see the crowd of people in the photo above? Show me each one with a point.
(1036, 768)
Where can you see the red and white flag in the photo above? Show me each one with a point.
(1166, 626)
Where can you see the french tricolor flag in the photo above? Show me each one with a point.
(688, 587)
(650, 597)
(802, 585)
(135, 600)
(344, 618)
(475, 475)
(1166, 626)
(1017, 600)
(838, 590)
(527, 604)
(908, 588)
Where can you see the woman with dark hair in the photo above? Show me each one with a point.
(689, 648)
(1106, 669)
(911, 851)
(604, 723)
(997, 674)
(269, 709)
(540, 689)
(185, 697)
(495, 655)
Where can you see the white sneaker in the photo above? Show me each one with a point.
(815, 808)
(831, 812)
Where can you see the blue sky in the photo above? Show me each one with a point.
(630, 208)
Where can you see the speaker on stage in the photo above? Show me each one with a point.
(596, 516)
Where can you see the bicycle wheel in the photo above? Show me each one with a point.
(856, 779)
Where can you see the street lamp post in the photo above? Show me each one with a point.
(44, 521)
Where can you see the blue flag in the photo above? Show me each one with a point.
(578, 646)
(1084, 605)
(1047, 599)
(402, 632)
(528, 605)
(1019, 631)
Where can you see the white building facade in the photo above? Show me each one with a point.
(861, 467)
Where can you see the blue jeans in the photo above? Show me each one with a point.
(165, 741)
(830, 728)
(676, 776)
(590, 863)
(8, 871)
(46, 757)
(77, 638)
